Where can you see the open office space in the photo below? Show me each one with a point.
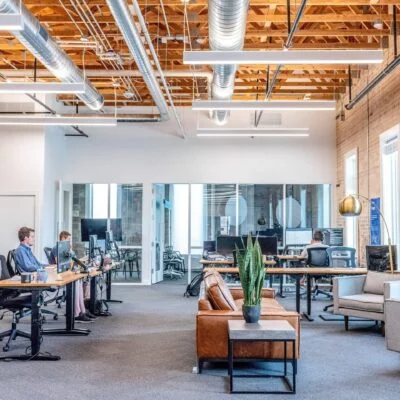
(199, 198)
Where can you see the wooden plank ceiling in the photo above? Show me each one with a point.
(326, 24)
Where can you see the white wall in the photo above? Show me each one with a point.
(22, 167)
(54, 158)
(153, 153)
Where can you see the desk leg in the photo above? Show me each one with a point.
(69, 316)
(280, 293)
(36, 334)
(108, 288)
(307, 315)
(93, 295)
(298, 279)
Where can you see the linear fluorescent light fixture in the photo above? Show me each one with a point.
(11, 22)
(252, 134)
(275, 57)
(57, 121)
(275, 105)
(41, 87)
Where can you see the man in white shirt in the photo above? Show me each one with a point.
(316, 241)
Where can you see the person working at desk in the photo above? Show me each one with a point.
(316, 241)
(24, 257)
(81, 314)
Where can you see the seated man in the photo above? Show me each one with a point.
(316, 241)
(24, 258)
(81, 314)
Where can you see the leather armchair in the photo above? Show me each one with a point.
(218, 304)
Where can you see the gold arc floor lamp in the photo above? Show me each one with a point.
(351, 206)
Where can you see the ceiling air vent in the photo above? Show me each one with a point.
(267, 119)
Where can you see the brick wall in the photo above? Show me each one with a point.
(361, 129)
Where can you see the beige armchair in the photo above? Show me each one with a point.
(364, 296)
(392, 318)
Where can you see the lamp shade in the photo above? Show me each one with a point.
(350, 206)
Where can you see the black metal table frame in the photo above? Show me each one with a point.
(36, 333)
(231, 359)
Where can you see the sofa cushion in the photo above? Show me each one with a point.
(375, 280)
(218, 292)
(365, 302)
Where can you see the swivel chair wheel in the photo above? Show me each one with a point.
(55, 317)
(6, 348)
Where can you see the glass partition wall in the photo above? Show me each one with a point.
(121, 206)
(186, 215)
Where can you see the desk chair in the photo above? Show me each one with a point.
(18, 304)
(318, 257)
(340, 256)
(132, 258)
(13, 266)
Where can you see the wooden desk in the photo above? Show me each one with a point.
(67, 279)
(292, 257)
(298, 273)
(210, 263)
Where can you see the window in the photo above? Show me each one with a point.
(351, 187)
(390, 182)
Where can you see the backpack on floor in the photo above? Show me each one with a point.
(193, 289)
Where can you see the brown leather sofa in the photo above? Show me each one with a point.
(218, 304)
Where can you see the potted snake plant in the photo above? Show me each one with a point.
(252, 273)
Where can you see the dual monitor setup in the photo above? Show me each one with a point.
(96, 229)
(269, 239)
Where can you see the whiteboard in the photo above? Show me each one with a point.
(15, 211)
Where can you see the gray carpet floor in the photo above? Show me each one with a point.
(146, 350)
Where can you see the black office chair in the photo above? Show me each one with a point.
(18, 304)
(13, 266)
(318, 257)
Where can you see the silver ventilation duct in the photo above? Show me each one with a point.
(227, 27)
(132, 38)
(39, 42)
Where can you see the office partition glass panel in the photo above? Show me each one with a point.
(259, 209)
(219, 210)
(308, 206)
(121, 206)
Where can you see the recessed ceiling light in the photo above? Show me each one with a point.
(129, 95)
(378, 24)
(84, 39)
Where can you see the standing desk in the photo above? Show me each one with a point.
(67, 279)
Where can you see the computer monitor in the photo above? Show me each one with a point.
(378, 258)
(93, 226)
(226, 245)
(268, 244)
(332, 236)
(92, 246)
(109, 240)
(277, 232)
(116, 228)
(63, 256)
(298, 236)
(210, 246)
